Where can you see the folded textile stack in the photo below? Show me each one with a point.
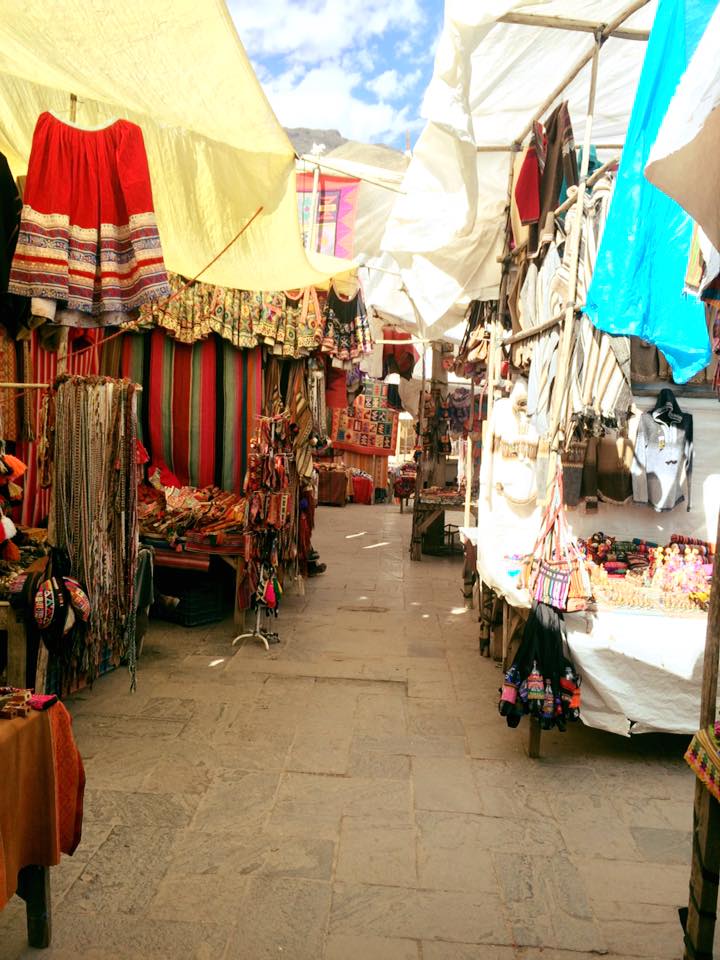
(618, 557)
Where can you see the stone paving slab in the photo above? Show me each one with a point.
(354, 795)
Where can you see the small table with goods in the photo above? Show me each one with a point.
(636, 675)
(429, 508)
(41, 802)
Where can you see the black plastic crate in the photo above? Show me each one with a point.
(202, 598)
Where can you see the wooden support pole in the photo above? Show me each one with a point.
(487, 427)
(612, 28)
(534, 738)
(702, 907)
(416, 537)
(34, 889)
(532, 331)
(559, 397)
(591, 181)
(311, 241)
(469, 458)
(439, 389)
(62, 353)
(559, 89)
(603, 34)
(568, 23)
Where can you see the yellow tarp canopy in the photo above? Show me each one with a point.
(215, 148)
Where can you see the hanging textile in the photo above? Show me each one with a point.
(90, 442)
(400, 356)
(14, 310)
(376, 467)
(89, 251)
(599, 379)
(301, 418)
(337, 200)
(346, 333)
(316, 386)
(637, 287)
(370, 426)
(290, 324)
(198, 407)
(558, 167)
(43, 369)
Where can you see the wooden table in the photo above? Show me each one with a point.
(41, 800)
(428, 509)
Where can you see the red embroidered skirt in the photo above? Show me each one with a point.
(88, 237)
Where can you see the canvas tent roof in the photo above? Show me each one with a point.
(215, 148)
(491, 78)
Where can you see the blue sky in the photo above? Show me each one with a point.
(357, 66)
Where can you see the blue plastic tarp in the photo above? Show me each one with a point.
(637, 285)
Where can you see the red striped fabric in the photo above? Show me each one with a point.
(36, 500)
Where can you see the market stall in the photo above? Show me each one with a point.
(566, 400)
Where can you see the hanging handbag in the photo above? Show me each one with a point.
(558, 575)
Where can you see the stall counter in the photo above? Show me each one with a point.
(641, 669)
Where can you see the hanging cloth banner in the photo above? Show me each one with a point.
(199, 405)
(369, 426)
(637, 287)
(337, 201)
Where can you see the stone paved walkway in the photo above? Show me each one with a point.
(355, 796)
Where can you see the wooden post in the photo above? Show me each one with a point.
(569, 23)
(62, 357)
(63, 344)
(416, 539)
(559, 398)
(311, 240)
(469, 457)
(34, 889)
(534, 738)
(606, 32)
(438, 387)
(700, 926)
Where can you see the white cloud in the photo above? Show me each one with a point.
(390, 85)
(316, 60)
(325, 98)
(308, 30)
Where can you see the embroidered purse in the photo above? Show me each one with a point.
(558, 576)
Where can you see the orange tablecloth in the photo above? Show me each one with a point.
(42, 782)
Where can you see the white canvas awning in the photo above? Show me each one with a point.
(215, 148)
(491, 79)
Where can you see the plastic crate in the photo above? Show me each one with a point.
(202, 600)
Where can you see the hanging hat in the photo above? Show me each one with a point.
(78, 598)
(48, 601)
(9, 528)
